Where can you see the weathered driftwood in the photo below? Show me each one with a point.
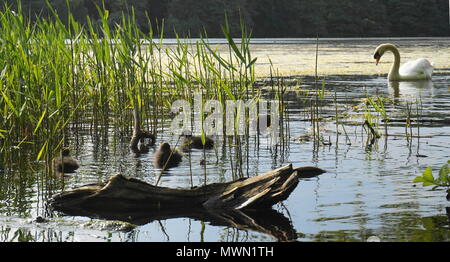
(243, 204)
(125, 194)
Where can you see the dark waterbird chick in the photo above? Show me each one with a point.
(65, 164)
(166, 157)
(189, 141)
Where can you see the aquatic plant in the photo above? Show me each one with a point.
(442, 180)
(55, 76)
(379, 107)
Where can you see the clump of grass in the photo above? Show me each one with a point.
(54, 76)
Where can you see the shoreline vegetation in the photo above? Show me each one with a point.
(265, 18)
(51, 87)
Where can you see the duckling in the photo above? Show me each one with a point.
(67, 164)
(190, 142)
(166, 157)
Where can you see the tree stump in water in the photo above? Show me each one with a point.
(124, 194)
(243, 204)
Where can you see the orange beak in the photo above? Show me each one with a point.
(377, 57)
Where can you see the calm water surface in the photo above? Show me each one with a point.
(368, 190)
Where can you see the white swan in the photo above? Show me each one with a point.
(419, 69)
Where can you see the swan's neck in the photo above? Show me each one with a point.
(394, 73)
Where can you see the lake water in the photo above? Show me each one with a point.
(367, 190)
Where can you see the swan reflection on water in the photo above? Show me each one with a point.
(413, 89)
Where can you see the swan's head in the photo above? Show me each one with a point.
(380, 50)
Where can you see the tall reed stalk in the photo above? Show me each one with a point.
(54, 75)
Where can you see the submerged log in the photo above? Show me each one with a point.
(120, 193)
(243, 204)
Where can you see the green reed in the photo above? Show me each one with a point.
(54, 76)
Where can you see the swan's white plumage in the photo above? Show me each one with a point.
(416, 70)
(420, 69)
